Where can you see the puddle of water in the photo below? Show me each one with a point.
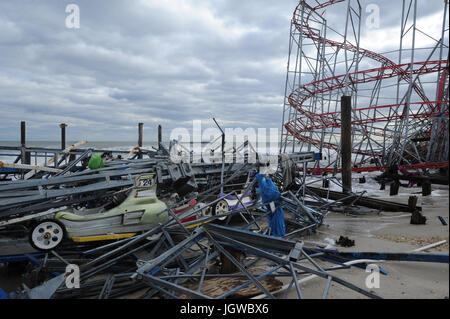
(361, 227)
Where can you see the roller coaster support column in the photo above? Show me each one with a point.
(346, 143)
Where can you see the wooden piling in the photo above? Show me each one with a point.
(22, 133)
(346, 143)
(417, 218)
(412, 203)
(159, 136)
(394, 188)
(140, 128)
(426, 188)
(26, 156)
(63, 135)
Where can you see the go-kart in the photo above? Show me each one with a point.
(137, 213)
(231, 202)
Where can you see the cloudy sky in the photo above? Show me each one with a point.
(162, 62)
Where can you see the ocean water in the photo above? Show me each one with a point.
(114, 146)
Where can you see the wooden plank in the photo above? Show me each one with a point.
(441, 180)
(364, 201)
(215, 287)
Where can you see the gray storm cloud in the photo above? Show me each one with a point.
(157, 62)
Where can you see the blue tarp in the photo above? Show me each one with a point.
(269, 193)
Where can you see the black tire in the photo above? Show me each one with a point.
(57, 233)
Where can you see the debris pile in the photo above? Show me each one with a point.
(144, 226)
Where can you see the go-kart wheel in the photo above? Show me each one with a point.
(47, 234)
(220, 208)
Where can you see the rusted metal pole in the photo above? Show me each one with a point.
(140, 125)
(63, 135)
(346, 143)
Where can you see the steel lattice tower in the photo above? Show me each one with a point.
(399, 98)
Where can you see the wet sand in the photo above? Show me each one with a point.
(389, 232)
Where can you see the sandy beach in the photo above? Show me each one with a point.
(389, 232)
